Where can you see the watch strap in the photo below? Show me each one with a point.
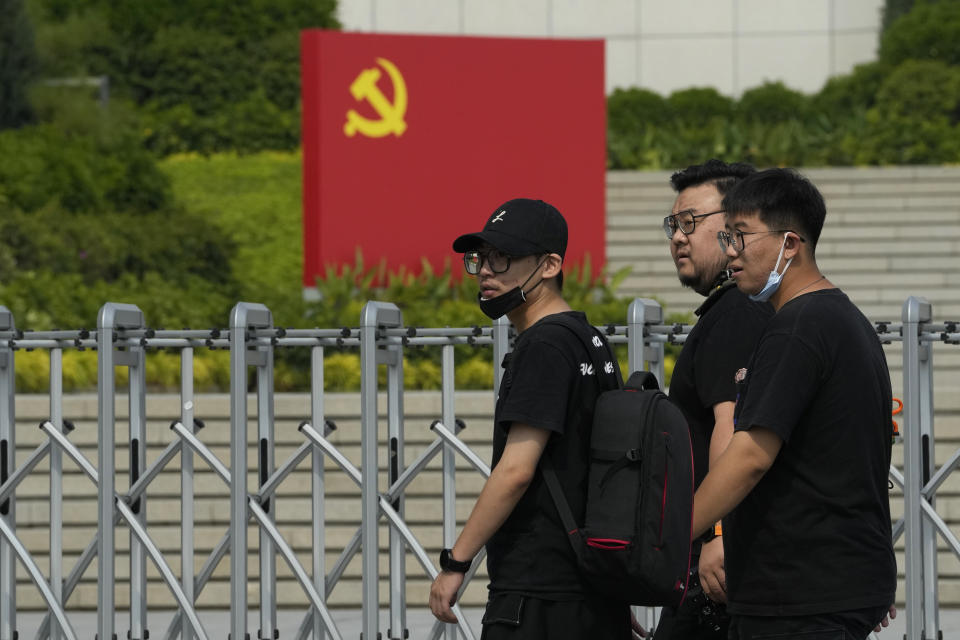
(448, 563)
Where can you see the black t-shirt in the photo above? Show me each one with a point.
(721, 342)
(549, 382)
(814, 535)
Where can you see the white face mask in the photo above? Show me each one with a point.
(773, 280)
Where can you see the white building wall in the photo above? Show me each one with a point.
(662, 45)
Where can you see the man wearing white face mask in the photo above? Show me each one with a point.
(802, 486)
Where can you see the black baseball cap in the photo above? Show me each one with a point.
(520, 227)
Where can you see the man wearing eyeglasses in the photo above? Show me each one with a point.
(702, 386)
(802, 485)
(544, 411)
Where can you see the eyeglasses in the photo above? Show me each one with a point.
(473, 261)
(686, 221)
(734, 239)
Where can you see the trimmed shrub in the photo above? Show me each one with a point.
(772, 102)
(697, 106)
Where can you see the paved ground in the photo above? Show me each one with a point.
(349, 621)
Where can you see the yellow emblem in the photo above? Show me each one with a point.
(391, 115)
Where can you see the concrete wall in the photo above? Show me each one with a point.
(731, 45)
(890, 233)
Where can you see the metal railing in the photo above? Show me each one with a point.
(381, 339)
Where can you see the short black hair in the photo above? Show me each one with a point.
(722, 174)
(783, 199)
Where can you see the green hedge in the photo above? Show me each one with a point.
(211, 371)
(901, 109)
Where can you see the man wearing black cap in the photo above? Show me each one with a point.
(544, 411)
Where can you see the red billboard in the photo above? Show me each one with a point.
(409, 141)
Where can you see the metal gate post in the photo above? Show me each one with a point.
(931, 605)
(318, 490)
(186, 491)
(265, 466)
(374, 316)
(243, 316)
(8, 511)
(138, 462)
(915, 312)
(449, 462)
(112, 316)
(398, 548)
(640, 355)
(501, 346)
(56, 487)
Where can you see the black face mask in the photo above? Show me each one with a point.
(507, 302)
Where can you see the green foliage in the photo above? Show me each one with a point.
(851, 93)
(43, 299)
(921, 89)
(86, 216)
(633, 117)
(902, 108)
(772, 102)
(209, 75)
(699, 105)
(915, 119)
(930, 31)
(18, 64)
(80, 166)
(254, 202)
(893, 9)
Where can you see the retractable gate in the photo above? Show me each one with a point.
(382, 339)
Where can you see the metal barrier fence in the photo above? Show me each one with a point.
(381, 339)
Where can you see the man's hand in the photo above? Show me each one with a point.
(891, 614)
(712, 577)
(443, 595)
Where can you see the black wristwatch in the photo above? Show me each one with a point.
(710, 534)
(447, 563)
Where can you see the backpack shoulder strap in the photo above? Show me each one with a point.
(560, 501)
(586, 334)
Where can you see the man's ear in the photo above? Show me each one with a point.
(552, 265)
(792, 246)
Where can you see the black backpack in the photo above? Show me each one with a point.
(634, 545)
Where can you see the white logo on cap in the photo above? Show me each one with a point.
(499, 217)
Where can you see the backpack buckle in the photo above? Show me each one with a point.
(633, 455)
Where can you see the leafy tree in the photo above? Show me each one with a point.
(894, 9)
(915, 120)
(18, 64)
(930, 31)
(857, 90)
(209, 74)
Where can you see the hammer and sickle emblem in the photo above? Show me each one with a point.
(391, 115)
